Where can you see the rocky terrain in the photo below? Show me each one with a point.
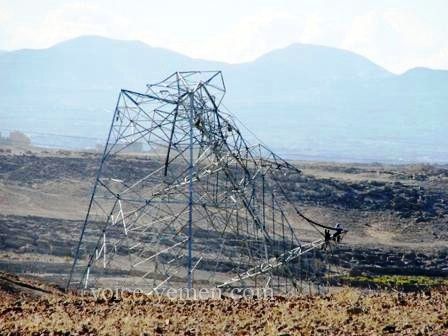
(418, 192)
(419, 196)
(397, 215)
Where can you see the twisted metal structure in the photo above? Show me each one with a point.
(210, 209)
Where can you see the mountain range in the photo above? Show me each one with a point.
(305, 101)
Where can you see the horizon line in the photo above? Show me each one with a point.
(3, 51)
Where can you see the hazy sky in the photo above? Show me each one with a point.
(397, 34)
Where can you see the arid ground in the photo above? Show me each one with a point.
(397, 217)
(31, 307)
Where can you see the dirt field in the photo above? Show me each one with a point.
(31, 307)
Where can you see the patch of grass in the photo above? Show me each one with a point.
(401, 282)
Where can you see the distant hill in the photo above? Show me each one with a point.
(299, 67)
(306, 101)
(86, 64)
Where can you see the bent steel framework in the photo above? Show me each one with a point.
(208, 210)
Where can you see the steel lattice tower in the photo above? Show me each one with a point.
(210, 209)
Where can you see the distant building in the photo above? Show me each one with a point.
(19, 138)
(136, 147)
(15, 138)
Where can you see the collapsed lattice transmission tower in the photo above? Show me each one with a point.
(204, 209)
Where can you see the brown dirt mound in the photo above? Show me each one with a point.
(15, 285)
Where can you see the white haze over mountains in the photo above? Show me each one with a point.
(305, 101)
(396, 34)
